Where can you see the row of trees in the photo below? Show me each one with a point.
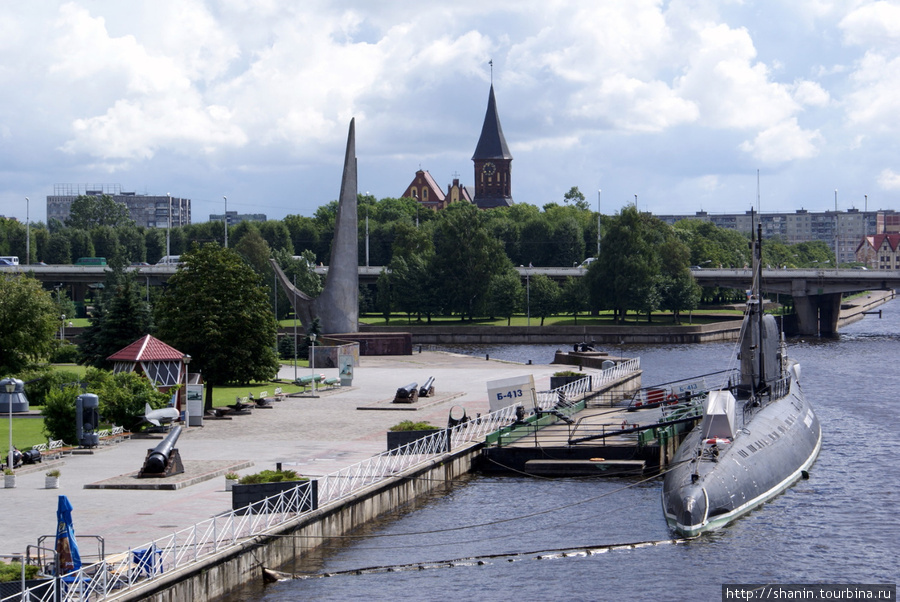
(215, 308)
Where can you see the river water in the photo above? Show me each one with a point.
(840, 526)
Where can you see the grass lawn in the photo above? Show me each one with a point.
(27, 432)
(604, 319)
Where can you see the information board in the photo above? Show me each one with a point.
(518, 390)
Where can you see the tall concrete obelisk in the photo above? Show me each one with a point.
(337, 307)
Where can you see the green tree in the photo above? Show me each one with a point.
(132, 243)
(120, 318)
(466, 257)
(625, 276)
(677, 289)
(505, 294)
(573, 297)
(81, 244)
(59, 250)
(28, 323)
(124, 397)
(59, 413)
(543, 296)
(106, 243)
(576, 198)
(89, 211)
(216, 309)
(384, 298)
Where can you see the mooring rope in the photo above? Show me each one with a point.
(583, 551)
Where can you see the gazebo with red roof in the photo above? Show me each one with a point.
(161, 364)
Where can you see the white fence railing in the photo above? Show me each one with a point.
(118, 572)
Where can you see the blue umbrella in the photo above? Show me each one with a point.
(66, 546)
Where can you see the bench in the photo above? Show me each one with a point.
(53, 449)
(262, 401)
(241, 405)
(116, 434)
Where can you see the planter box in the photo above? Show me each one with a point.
(51, 482)
(396, 439)
(561, 381)
(42, 590)
(9, 481)
(243, 496)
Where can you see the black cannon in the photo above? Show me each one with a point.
(164, 459)
(407, 394)
(428, 388)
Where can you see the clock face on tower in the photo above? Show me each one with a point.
(489, 169)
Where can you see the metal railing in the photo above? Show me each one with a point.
(137, 566)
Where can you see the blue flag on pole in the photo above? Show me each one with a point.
(66, 546)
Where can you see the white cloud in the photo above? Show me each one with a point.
(809, 93)
(265, 89)
(889, 179)
(732, 89)
(785, 141)
(872, 24)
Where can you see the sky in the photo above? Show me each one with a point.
(676, 105)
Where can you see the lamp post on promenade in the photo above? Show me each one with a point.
(187, 410)
(312, 360)
(10, 389)
(295, 330)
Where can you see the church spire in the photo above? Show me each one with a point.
(493, 161)
(492, 144)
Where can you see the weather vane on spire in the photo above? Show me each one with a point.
(491, 63)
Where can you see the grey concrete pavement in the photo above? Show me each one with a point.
(314, 436)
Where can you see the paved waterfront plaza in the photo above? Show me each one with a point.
(314, 436)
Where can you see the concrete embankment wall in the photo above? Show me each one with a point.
(855, 309)
(236, 566)
(727, 330)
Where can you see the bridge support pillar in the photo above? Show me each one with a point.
(829, 312)
(817, 314)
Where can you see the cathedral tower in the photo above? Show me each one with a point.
(493, 162)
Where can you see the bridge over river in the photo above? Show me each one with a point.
(816, 292)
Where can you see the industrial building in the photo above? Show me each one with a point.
(148, 211)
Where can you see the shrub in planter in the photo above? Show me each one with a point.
(252, 490)
(409, 425)
(408, 431)
(561, 379)
(51, 479)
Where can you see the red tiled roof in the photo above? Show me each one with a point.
(146, 349)
(892, 239)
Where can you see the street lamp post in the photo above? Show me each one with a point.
(27, 234)
(168, 224)
(598, 222)
(312, 360)
(10, 389)
(187, 410)
(226, 221)
(293, 304)
(62, 336)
